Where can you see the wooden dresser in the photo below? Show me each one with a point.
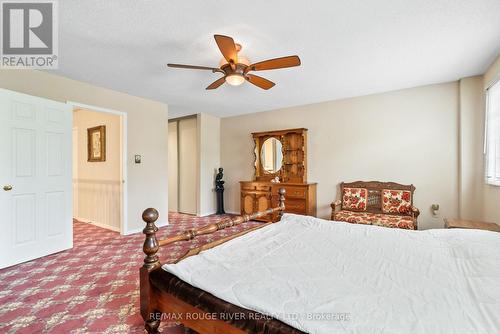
(279, 156)
(256, 196)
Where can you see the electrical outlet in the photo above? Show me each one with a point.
(435, 209)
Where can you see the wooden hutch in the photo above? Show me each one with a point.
(280, 162)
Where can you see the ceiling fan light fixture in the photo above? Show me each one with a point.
(235, 79)
(234, 66)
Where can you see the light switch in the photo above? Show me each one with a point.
(137, 159)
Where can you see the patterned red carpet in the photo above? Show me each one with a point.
(92, 288)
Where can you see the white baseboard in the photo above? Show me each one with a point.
(204, 214)
(213, 213)
(137, 230)
(106, 226)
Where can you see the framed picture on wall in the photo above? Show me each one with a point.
(96, 143)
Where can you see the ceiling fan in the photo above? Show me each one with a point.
(235, 67)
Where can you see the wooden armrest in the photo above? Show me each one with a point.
(415, 211)
(334, 206)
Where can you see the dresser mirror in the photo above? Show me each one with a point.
(281, 155)
(271, 155)
(280, 162)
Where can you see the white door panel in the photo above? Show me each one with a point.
(35, 153)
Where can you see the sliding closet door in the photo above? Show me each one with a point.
(188, 164)
(173, 164)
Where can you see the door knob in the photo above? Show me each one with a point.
(7, 187)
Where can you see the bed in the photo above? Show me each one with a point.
(308, 275)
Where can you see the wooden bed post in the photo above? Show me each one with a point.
(150, 246)
(151, 300)
(281, 202)
(151, 262)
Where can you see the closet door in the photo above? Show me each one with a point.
(173, 164)
(188, 165)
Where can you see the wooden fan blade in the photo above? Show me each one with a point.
(227, 48)
(195, 67)
(275, 63)
(216, 83)
(259, 81)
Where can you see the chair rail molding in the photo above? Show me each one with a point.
(99, 202)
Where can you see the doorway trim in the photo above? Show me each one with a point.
(124, 130)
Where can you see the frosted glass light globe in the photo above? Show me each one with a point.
(235, 79)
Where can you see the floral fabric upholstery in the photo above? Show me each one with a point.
(396, 201)
(354, 199)
(405, 222)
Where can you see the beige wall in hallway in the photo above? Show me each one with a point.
(98, 184)
(147, 133)
(106, 170)
(406, 136)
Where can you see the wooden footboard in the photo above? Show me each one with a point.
(154, 302)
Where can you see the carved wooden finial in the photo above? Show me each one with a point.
(150, 246)
(282, 193)
(150, 215)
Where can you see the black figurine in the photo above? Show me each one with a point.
(219, 189)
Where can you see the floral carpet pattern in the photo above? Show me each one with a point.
(93, 287)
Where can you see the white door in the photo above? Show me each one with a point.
(35, 177)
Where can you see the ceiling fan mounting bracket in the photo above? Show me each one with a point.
(238, 69)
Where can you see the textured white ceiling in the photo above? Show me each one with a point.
(347, 47)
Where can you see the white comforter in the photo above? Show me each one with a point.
(331, 277)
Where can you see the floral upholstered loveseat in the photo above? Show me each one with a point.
(386, 204)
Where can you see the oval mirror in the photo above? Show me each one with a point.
(271, 155)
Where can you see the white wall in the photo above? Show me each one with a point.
(97, 186)
(492, 75)
(147, 133)
(471, 130)
(491, 194)
(209, 162)
(406, 136)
